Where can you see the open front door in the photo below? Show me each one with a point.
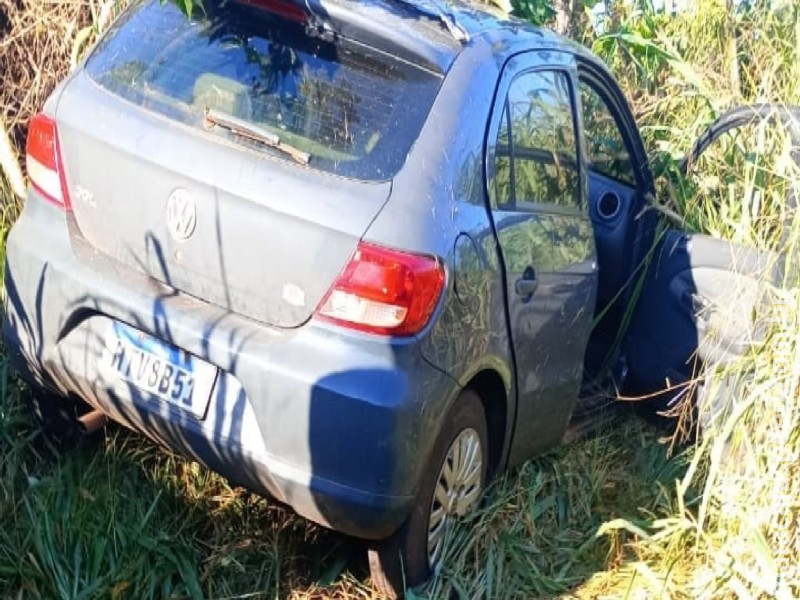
(704, 299)
(699, 296)
(698, 306)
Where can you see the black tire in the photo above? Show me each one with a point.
(401, 561)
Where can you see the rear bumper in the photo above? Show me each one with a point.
(336, 425)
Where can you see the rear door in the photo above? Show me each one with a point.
(538, 209)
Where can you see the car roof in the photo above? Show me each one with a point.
(477, 17)
(411, 29)
(483, 19)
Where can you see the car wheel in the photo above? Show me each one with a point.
(451, 486)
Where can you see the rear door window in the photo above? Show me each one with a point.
(355, 111)
(536, 153)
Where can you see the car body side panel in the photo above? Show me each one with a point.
(470, 333)
(575, 293)
(443, 194)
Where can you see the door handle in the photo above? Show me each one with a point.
(526, 285)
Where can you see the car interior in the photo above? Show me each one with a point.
(696, 303)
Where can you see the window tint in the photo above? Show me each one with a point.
(357, 112)
(606, 152)
(536, 157)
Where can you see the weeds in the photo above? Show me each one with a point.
(614, 516)
(117, 517)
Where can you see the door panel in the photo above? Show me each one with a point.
(611, 206)
(546, 242)
(573, 292)
(526, 240)
(702, 296)
(686, 316)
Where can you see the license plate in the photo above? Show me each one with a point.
(160, 369)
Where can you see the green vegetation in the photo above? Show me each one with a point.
(119, 517)
(621, 514)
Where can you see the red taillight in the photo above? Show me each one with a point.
(283, 8)
(385, 291)
(43, 160)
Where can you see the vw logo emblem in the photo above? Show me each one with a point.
(181, 215)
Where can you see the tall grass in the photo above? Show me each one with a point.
(740, 536)
(617, 515)
(117, 517)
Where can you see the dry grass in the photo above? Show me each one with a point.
(40, 42)
(35, 54)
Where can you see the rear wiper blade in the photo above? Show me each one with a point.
(434, 8)
(253, 132)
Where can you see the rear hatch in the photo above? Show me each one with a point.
(214, 210)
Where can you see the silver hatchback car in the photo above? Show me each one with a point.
(348, 254)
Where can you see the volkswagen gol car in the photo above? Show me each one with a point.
(347, 254)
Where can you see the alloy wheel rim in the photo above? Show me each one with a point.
(457, 491)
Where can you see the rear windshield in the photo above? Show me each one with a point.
(356, 112)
